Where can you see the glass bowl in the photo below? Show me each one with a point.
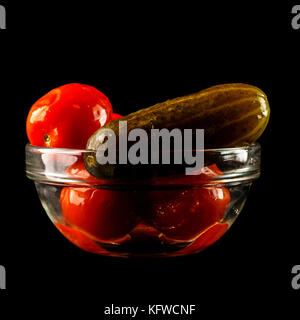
(155, 216)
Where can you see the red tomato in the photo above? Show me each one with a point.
(80, 239)
(67, 116)
(78, 171)
(104, 214)
(206, 174)
(206, 239)
(115, 116)
(183, 214)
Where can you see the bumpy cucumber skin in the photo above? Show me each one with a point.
(232, 115)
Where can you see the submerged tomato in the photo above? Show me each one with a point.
(182, 214)
(104, 214)
(206, 239)
(206, 174)
(67, 116)
(80, 239)
(78, 171)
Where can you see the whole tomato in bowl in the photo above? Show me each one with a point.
(183, 213)
(103, 214)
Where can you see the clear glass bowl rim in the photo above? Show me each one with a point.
(249, 171)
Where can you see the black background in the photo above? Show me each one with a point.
(139, 54)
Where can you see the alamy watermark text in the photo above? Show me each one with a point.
(2, 17)
(141, 147)
(296, 277)
(2, 278)
(296, 17)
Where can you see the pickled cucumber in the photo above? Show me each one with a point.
(232, 115)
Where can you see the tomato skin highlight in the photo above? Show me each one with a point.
(67, 116)
(104, 214)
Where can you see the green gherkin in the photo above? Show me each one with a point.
(232, 115)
